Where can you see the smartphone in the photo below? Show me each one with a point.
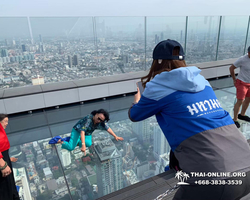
(139, 85)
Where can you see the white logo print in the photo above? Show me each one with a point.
(204, 106)
(182, 176)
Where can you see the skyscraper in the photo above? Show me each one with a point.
(4, 53)
(6, 42)
(142, 129)
(109, 170)
(162, 36)
(41, 48)
(70, 61)
(23, 47)
(76, 60)
(161, 145)
(157, 39)
(40, 38)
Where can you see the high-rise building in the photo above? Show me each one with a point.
(76, 60)
(118, 52)
(125, 58)
(4, 53)
(157, 39)
(109, 172)
(4, 59)
(40, 38)
(65, 157)
(70, 61)
(41, 48)
(23, 47)
(6, 42)
(142, 130)
(21, 179)
(161, 145)
(162, 36)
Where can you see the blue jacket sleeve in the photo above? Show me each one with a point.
(144, 109)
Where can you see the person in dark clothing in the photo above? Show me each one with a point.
(8, 189)
(201, 134)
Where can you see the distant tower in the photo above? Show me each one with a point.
(118, 52)
(6, 42)
(40, 38)
(76, 60)
(70, 61)
(23, 47)
(125, 58)
(162, 36)
(156, 39)
(41, 48)
(4, 53)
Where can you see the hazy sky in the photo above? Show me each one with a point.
(124, 7)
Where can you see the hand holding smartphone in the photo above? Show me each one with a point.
(139, 85)
(140, 90)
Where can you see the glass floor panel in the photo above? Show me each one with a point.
(46, 171)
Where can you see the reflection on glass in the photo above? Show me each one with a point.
(163, 28)
(46, 171)
(232, 37)
(120, 44)
(202, 39)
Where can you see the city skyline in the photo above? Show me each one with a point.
(78, 48)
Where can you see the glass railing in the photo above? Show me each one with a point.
(40, 50)
(46, 171)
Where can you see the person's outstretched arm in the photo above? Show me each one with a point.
(83, 149)
(114, 135)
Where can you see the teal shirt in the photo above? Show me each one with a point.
(87, 125)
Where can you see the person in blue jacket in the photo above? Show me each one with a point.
(201, 134)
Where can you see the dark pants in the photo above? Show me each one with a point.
(8, 189)
(215, 192)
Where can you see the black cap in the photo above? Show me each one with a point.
(164, 50)
(249, 49)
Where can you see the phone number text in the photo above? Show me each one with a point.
(219, 182)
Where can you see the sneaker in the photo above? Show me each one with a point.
(237, 124)
(245, 118)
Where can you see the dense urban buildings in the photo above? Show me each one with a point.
(77, 48)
